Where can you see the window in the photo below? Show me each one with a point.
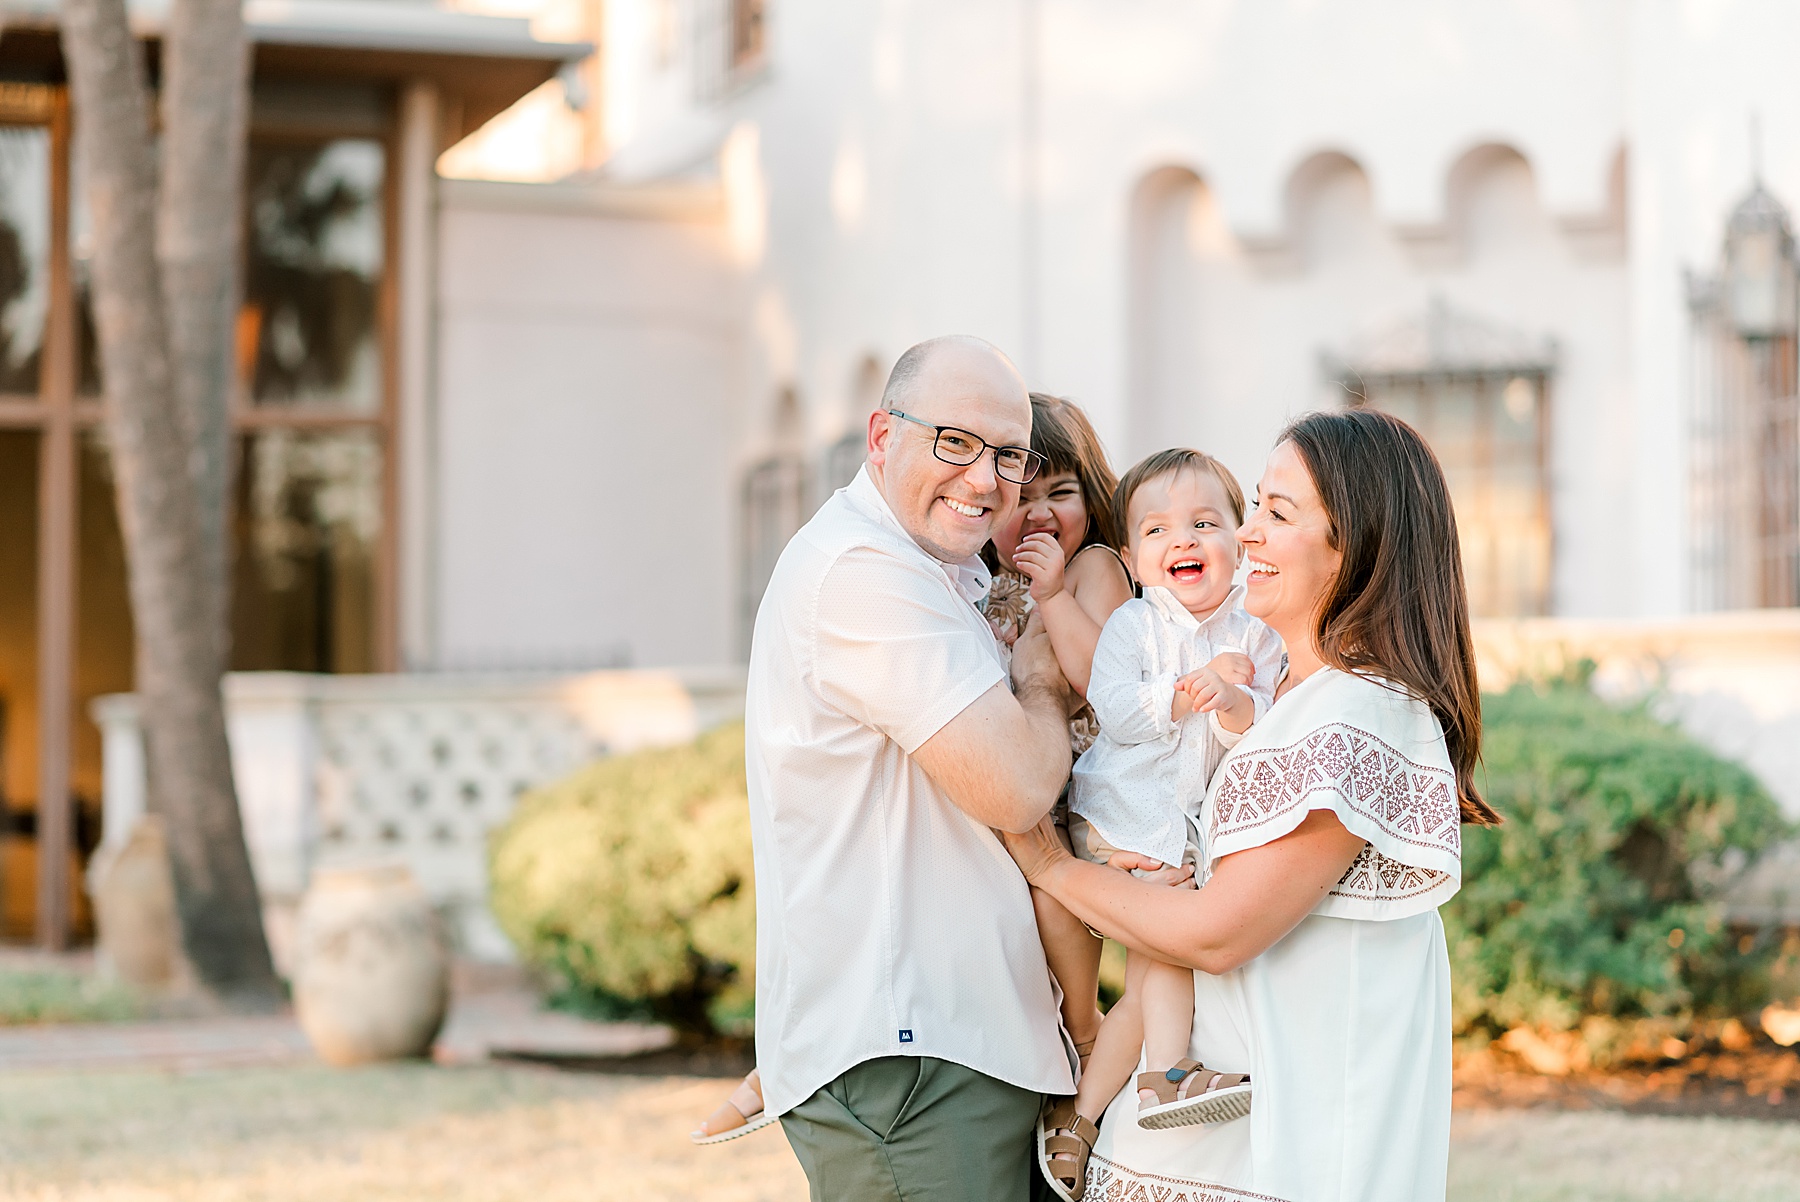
(1480, 396)
(1744, 466)
(747, 34)
(312, 475)
(24, 255)
(774, 507)
(730, 41)
(313, 230)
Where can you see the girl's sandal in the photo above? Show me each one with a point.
(737, 1115)
(1064, 1140)
(1191, 1094)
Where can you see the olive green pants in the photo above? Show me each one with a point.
(916, 1129)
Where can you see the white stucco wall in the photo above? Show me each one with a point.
(885, 183)
(588, 342)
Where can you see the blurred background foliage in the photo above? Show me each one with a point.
(630, 884)
(1596, 906)
(1599, 903)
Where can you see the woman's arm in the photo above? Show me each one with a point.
(1075, 600)
(1255, 896)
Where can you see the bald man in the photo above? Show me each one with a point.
(906, 1026)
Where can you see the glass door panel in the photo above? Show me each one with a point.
(24, 255)
(309, 330)
(308, 528)
(103, 635)
(18, 681)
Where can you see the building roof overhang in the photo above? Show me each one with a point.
(482, 63)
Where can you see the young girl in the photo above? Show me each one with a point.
(1175, 680)
(1057, 555)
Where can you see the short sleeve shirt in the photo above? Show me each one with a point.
(889, 922)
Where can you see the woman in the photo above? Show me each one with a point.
(1332, 836)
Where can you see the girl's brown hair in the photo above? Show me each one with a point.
(1398, 607)
(1167, 463)
(1062, 434)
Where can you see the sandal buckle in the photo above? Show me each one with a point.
(1176, 1075)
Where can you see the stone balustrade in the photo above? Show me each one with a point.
(420, 768)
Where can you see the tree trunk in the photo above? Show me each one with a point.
(164, 336)
(205, 102)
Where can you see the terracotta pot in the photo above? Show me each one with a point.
(134, 909)
(371, 972)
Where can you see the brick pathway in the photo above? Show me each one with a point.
(177, 1044)
(486, 1016)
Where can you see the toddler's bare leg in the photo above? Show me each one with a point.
(1168, 1002)
(1115, 1057)
(1074, 957)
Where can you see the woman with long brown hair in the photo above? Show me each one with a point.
(1332, 835)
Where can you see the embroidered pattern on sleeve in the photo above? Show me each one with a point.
(1412, 803)
(1372, 877)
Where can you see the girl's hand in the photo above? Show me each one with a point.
(1040, 557)
(1037, 850)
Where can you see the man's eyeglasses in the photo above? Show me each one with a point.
(1016, 465)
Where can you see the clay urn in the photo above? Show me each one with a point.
(134, 909)
(371, 971)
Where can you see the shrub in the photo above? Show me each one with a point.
(630, 881)
(1600, 896)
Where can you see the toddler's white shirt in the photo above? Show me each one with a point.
(1146, 774)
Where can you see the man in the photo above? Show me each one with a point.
(906, 1023)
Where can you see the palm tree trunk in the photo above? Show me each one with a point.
(164, 333)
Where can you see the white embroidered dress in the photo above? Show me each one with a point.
(1343, 1025)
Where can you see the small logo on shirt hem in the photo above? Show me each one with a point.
(906, 1036)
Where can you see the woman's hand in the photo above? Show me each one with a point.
(1037, 850)
(1181, 876)
(1040, 557)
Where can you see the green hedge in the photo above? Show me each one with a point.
(1600, 895)
(631, 883)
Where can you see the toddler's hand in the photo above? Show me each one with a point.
(1040, 557)
(1208, 691)
(1234, 666)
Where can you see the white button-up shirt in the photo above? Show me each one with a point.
(888, 922)
(1146, 774)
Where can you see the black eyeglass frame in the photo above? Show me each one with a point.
(1034, 462)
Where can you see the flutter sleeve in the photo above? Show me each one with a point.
(1376, 758)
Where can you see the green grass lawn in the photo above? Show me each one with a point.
(1587, 1156)
(493, 1134)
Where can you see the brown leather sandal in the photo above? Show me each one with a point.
(737, 1115)
(1064, 1140)
(1084, 1052)
(1190, 1094)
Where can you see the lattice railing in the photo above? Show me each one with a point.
(420, 769)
